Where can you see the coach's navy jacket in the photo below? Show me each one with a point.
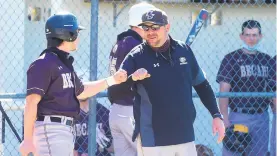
(164, 111)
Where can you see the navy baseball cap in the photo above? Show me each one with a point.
(155, 16)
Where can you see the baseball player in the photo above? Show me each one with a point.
(121, 117)
(246, 70)
(166, 70)
(104, 137)
(53, 90)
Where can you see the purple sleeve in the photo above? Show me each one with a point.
(119, 52)
(78, 84)
(38, 77)
(225, 71)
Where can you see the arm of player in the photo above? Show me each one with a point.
(94, 87)
(30, 114)
(134, 75)
(223, 102)
(37, 84)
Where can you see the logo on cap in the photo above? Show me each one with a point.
(150, 15)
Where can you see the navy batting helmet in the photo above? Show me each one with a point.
(63, 25)
(237, 138)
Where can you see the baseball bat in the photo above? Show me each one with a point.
(199, 22)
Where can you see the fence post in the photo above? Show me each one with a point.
(93, 75)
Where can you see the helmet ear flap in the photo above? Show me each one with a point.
(72, 36)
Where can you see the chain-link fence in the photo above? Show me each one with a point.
(23, 39)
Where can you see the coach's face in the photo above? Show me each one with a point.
(155, 35)
(251, 36)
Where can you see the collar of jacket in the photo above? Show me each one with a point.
(62, 55)
(129, 32)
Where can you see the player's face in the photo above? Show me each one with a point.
(155, 35)
(74, 44)
(251, 36)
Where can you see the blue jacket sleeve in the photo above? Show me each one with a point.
(203, 88)
(198, 73)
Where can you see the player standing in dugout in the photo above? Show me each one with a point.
(121, 117)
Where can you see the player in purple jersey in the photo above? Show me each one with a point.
(53, 91)
(247, 70)
(104, 137)
(121, 118)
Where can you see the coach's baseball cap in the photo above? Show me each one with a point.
(154, 16)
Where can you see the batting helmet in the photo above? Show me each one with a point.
(237, 138)
(62, 25)
(136, 12)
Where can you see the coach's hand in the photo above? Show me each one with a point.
(218, 127)
(27, 147)
(140, 74)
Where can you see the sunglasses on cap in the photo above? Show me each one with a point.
(153, 27)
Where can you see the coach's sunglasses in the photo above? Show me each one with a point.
(153, 27)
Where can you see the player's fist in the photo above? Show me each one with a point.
(140, 74)
(27, 147)
(120, 76)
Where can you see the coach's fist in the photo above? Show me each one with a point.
(140, 74)
(27, 147)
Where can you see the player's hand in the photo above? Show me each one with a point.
(218, 127)
(140, 74)
(120, 76)
(101, 138)
(27, 147)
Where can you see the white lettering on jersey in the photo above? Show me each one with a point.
(253, 70)
(112, 65)
(67, 82)
(81, 129)
(242, 70)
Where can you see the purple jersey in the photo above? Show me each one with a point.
(81, 126)
(56, 82)
(246, 73)
(126, 41)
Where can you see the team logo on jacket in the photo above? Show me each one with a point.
(156, 65)
(183, 60)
